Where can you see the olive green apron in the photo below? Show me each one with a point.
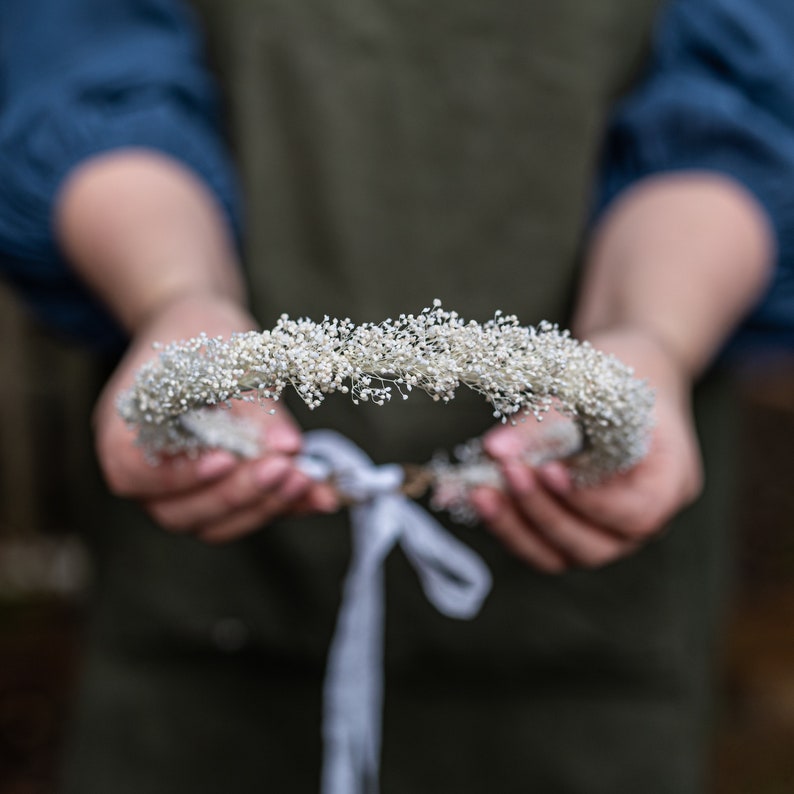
(395, 151)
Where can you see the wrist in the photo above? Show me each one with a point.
(141, 230)
(649, 356)
(190, 313)
(183, 317)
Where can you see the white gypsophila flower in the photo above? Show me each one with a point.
(519, 370)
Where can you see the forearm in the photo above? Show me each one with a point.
(680, 259)
(145, 234)
(148, 237)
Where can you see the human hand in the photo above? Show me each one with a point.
(552, 523)
(217, 495)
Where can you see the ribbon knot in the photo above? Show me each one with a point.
(454, 578)
(361, 485)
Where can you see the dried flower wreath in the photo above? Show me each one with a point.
(520, 370)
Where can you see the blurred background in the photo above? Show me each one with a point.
(46, 490)
(45, 497)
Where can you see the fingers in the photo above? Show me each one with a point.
(507, 524)
(553, 525)
(249, 498)
(638, 503)
(217, 495)
(627, 506)
(580, 540)
(130, 474)
(246, 485)
(545, 534)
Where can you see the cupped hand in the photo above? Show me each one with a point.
(553, 524)
(216, 495)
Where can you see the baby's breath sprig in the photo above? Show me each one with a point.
(519, 370)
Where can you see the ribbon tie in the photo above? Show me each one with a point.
(454, 578)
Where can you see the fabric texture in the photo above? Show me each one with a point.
(719, 97)
(80, 79)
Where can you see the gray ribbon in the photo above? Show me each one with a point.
(454, 578)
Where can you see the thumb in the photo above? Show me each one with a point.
(503, 442)
(284, 437)
(535, 441)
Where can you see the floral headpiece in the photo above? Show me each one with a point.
(519, 370)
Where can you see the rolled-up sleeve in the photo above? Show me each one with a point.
(84, 77)
(719, 96)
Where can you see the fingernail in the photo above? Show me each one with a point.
(282, 438)
(502, 444)
(269, 471)
(555, 477)
(214, 464)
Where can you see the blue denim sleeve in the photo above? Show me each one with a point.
(719, 96)
(80, 78)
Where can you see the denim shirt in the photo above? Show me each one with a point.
(86, 76)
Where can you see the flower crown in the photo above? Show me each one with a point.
(519, 370)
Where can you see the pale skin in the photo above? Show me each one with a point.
(673, 267)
